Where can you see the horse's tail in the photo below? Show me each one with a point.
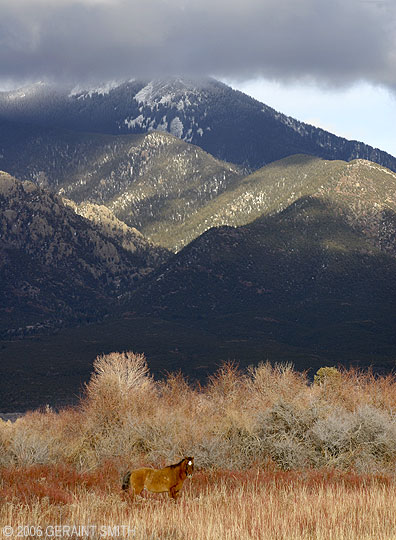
(126, 481)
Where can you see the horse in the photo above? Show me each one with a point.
(169, 479)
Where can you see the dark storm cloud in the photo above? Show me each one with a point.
(333, 41)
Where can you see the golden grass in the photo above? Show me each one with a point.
(217, 505)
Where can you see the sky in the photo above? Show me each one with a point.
(328, 62)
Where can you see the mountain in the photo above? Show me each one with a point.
(57, 267)
(303, 285)
(152, 182)
(173, 191)
(300, 264)
(363, 191)
(174, 205)
(224, 122)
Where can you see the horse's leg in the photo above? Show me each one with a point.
(174, 492)
(138, 487)
(136, 482)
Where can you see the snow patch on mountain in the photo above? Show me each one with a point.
(176, 127)
(26, 91)
(177, 93)
(103, 90)
(298, 127)
(132, 123)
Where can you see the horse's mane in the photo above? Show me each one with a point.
(176, 464)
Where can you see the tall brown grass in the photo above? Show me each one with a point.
(214, 505)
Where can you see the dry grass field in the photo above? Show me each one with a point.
(276, 457)
(253, 504)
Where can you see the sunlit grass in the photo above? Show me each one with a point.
(214, 505)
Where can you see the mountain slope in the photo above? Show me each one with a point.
(155, 185)
(57, 267)
(365, 191)
(150, 182)
(226, 123)
(303, 278)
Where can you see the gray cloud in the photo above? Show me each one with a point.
(329, 41)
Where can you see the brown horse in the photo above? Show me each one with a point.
(169, 479)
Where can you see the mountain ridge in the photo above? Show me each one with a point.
(224, 122)
(136, 176)
(365, 190)
(171, 190)
(301, 286)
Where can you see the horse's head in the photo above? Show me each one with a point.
(189, 466)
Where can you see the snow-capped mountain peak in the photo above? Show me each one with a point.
(169, 92)
(226, 123)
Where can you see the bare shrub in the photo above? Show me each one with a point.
(115, 377)
(283, 431)
(120, 386)
(29, 447)
(226, 387)
(364, 439)
(269, 384)
(242, 448)
(157, 441)
(6, 457)
(175, 391)
(354, 388)
(232, 448)
(209, 452)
